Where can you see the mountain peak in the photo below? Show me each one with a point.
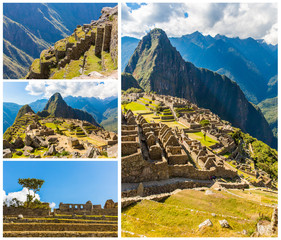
(56, 96)
(55, 103)
(157, 32)
(23, 110)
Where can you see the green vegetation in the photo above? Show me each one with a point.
(204, 123)
(19, 127)
(206, 141)
(59, 74)
(35, 67)
(108, 63)
(178, 217)
(132, 90)
(72, 69)
(264, 156)
(93, 63)
(33, 184)
(60, 45)
(269, 110)
(134, 106)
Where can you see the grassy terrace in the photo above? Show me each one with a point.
(242, 173)
(178, 216)
(199, 136)
(93, 62)
(35, 67)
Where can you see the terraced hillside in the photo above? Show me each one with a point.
(60, 225)
(90, 52)
(57, 131)
(181, 214)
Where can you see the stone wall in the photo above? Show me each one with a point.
(167, 188)
(15, 211)
(59, 227)
(101, 211)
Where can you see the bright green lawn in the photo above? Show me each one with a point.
(199, 136)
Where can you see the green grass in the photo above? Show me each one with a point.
(108, 63)
(51, 125)
(242, 173)
(199, 136)
(134, 106)
(173, 218)
(60, 45)
(58, 74)
(257, 196)
(226, 155)
(35, 67)
(93, 63)
(72, 69)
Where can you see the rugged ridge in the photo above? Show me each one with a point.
(57, 107)
(159, 67)
(23, 110)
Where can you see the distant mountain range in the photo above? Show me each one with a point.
(249, 62)
(29, 28)
(158, 66)
(104, 111)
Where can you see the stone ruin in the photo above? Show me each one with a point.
(110, 208)
(102, 34)
(38, 135)
(153, 151)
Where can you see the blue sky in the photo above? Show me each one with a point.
(16, 93)
(66, 181)
(27, 92)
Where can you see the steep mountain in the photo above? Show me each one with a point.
(159, 67)
(57, 107)
(104, 111)
(30, 28)
(23, 110)
(128, 45)
(38, 105)
(110, 122)
(269, 110)
(10, 111)
(249, 62)
(128, 81)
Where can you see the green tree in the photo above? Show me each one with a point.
(31, 184)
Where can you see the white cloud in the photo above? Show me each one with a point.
(20, 196)
(256, 20)
(84, 89)
(52, 205)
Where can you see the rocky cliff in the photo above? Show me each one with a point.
(159, 67)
